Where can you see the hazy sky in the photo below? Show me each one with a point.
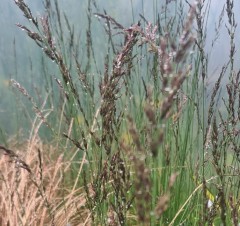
(122, 11)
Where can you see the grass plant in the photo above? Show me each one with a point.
(135, 140)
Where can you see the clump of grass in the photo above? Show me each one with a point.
(154, 150)
(32, 189)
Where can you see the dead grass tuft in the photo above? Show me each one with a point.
(32, 190)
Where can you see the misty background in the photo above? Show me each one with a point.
(22, 60)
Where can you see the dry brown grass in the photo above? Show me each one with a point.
(38, 197)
